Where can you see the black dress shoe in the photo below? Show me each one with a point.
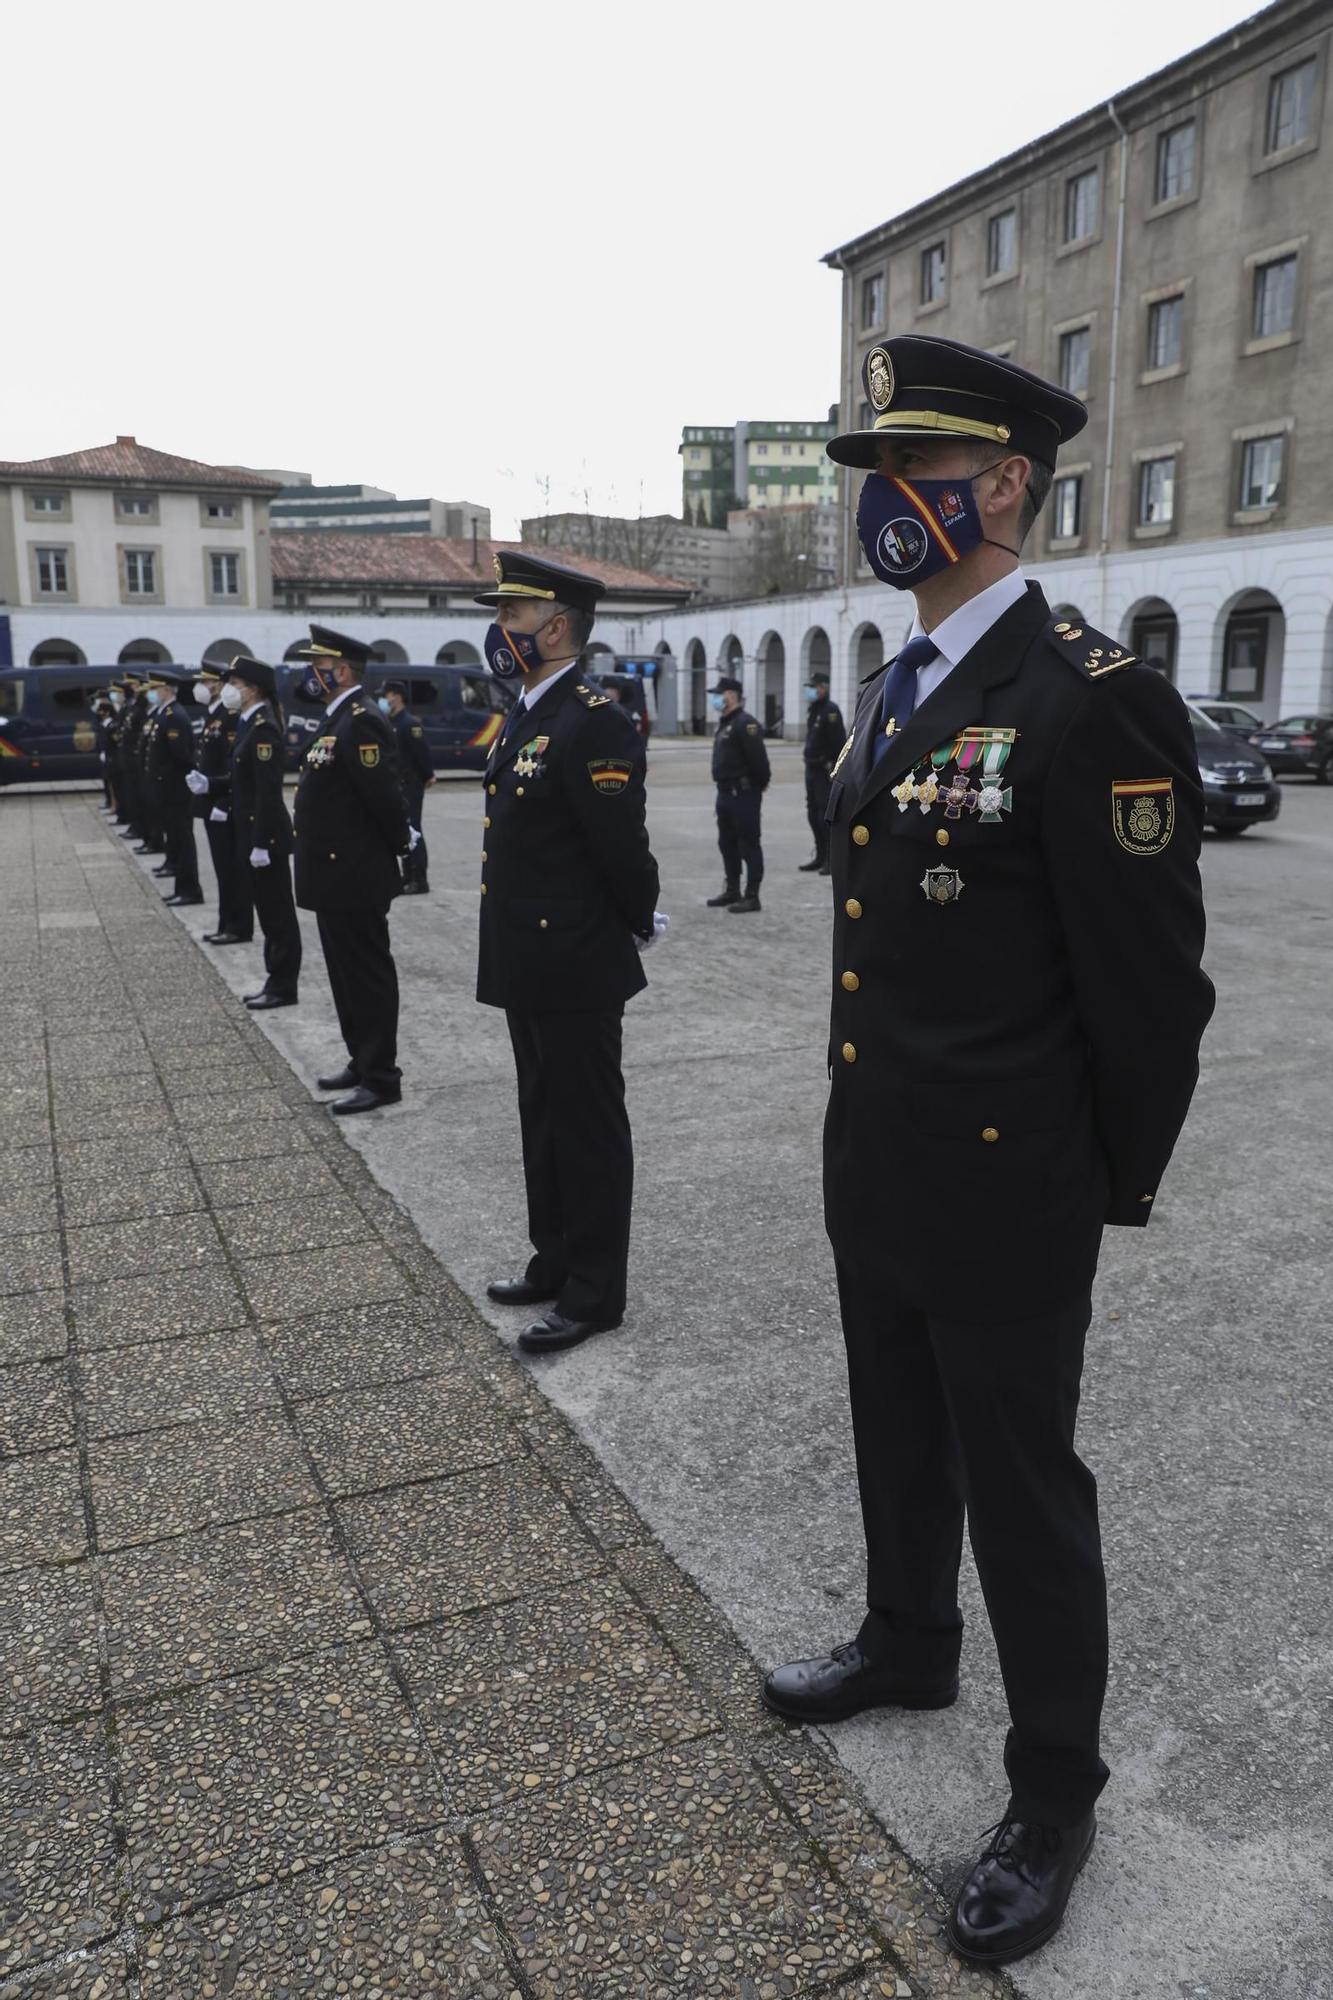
(182, 902)
(826, 870)
(1015, 1897)
(553, 1331)
(362, 1099)
(145, 847)
(519, 1292)
(344, 1080)
(258, 1003)
(226, 937)
(130, 833)
(415, 889)
(726, 899)
(163, 870)
(845, 1682)
(743, 906)
(809, 867)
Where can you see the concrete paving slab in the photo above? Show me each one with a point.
(35, 1410)
(41, 1510)
(367, 1439)
(124, 1312)
(57, 1844)
(197, 1476)
(49, 1663)
(32, 1327)
(151, 1385)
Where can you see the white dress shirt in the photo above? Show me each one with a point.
(338, 699)
(957, 634)
(532, 695)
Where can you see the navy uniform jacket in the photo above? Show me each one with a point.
(568, 878)
(1017, 993)
(170, 756)
(351, 818)
(415, 763)
(739, 755)
(825, 734)
(214, 758)
(258, 809)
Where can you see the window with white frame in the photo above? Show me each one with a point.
(47, 503)
(224, 575)
(1261, 463)
(1157, 492)
(872, 300)
(1002, 243)
(1067, 507)
(140, 573)
(1290, 107)
(52, 572)
(1166, 332)
(1175, 162)
(933, 273)
(1081, 197)
(135, 506)
(225, 510)
(1275, 297)
(1076, 360)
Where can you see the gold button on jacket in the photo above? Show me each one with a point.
(850, 982)
(860, 834)
(852, 907)
(849, 1052)
(942, 835)
(990, 1135)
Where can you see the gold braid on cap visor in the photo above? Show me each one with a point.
(932, 420)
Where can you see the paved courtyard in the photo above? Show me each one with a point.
(344, 1647)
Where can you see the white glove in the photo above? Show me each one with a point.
(413, 837)
(259, 857)
(219, 813)
(197, 782)
(661, 925)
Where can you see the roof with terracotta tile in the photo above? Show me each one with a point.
(433, 561)
(127, 462)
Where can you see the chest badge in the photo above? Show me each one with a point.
(942, 885)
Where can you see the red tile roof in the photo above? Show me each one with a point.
(126, 462)
(432, 560)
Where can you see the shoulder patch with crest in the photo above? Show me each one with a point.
(1083, 646)
(370, 754)
(752, 728)
(417, 730)
(263, 751)
(1143, 813)
(610, 774)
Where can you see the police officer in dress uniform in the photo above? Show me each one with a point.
(416, 770)
(131, 722)
(262, 827)
(210, 782)
(1017, 1009)
(741, 774)
(825, 734)
(569, 888)
(351, 827)
(170, 762)
(147, 825)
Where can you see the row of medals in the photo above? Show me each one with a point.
(990, 802)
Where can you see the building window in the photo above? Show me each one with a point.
(1002, 243)
(1081, 192)
(872, 300)
(1076, 360)
(135, 506)
(1067, 508)
(225, 510)
(1275, 297)
(932, 274)
(786, 451)
(47, 503)
(1157, 492)
(52, 573)
(140, 573)
(1290, 107)
(225, 575)
(761, 450)
(1261, 471)
(1166, 332)
(1175, 162)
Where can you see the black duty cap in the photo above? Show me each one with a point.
(727, 686)
(521, 574)
(255, 673)
(326, 644)
(921, 385)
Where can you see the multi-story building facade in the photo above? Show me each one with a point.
(370, 510)
(706, 558)
(727, 468)
(1169, 258)
(708, 474)
(128, 528)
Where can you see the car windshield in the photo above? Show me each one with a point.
(1205, 729)
(1296, 725)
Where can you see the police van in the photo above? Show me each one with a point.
(47, 728)
(462, 710)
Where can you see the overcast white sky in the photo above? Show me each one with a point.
(462, 250)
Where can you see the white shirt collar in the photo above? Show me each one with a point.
(955, 636)
(246, 713)
(531, 696)
(338, 699)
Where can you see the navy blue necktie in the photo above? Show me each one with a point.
(512, 721)
(898, 695)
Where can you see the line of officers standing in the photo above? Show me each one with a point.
(355, 844)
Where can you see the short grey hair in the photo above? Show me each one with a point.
(1040, 480)
(580, 623)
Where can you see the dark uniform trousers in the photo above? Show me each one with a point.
(364, 981)
(182, 860)
(738, 815)
(271, 894)
(578, 1156)
(236, 909)
(818, 785)
(414, 864)
(967, 1414)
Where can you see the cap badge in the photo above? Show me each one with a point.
(498, 567)
(879, 379)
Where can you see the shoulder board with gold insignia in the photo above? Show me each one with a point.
(1084, 647)
(589, 697)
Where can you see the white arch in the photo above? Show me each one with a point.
(458, 653)
(144, 653)
(388, 653)
(57, 653)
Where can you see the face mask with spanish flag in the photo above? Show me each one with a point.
(911, 529)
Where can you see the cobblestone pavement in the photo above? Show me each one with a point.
(333, 1662)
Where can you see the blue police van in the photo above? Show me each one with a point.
(47, 728)
(461, 708)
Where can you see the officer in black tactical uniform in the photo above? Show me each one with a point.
(262, 827)
(210, 782)
(569, 888)
(1017, 1009)
(417, 770)
(170, 761)
(825, 734)
(741, 774)
(351, 827)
